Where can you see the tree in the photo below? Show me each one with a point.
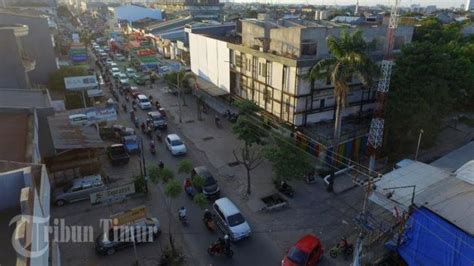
(288, 161)
(252, 135)
(185, 167)
(421, 94)
(56, 80)
(172, 190)
(349, 58)
(179, 80)
(200, 200)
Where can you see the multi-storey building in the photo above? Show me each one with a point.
(269, 64)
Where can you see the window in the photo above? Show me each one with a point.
(309, 48)
(322, 103)
(232, 57)
(286, 74)
(249, 64)
(260, 69)
(269, 71)
(287, 106)
(264, 70)
(238, 60)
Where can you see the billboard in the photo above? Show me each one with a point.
(80, 83)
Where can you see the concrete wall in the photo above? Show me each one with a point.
(286, 41)
(11, 183)
(210, 60)
(12, 71)
(37, 44)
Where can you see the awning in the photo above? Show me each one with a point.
(210, 88)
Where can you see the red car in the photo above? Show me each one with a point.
(307, 251)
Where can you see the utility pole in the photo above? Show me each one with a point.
(178, 87)
(418, 145)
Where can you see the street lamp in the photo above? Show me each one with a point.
(418, 145)
(143, 164)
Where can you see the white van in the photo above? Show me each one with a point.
(143, 102)
(78, 120)
(230, 220)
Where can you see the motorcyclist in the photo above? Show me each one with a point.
(343, 244)
(284, 185)
(188, 186)
(182, 213)
(226, 243)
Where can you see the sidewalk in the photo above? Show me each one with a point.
(312, 210)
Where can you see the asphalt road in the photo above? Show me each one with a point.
(256, 250)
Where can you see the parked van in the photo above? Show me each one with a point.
(78, 120)
(230, 220)
(79, 189)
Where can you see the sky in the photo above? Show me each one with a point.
(439, 3)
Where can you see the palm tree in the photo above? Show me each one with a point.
(349, 58)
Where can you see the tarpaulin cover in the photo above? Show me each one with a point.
(430, 240)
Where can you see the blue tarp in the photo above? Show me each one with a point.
(430, 240)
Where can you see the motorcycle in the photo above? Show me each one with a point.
(343, 247)
(209, 223)
(188, 188)
(127, 98)
(183, 220)
(152, 147)
(158, 136)
(286, 189)
(219, 248)
(124, 107)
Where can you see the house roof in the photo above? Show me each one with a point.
(456, 158)
(65, 136)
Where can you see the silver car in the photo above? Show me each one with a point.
(79, 189)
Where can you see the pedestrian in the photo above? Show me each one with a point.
(161, 165)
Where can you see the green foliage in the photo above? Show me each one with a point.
(56, 80)
(63, 11)
(246, 127)
(200, 200)
(198, 181)
(185, 166)
(171, 80)
(432, 78)
(73, 100)
(173, 189)
(288, 161)
(140, 183)
(156, 174)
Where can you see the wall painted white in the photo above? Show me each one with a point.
(210, 60)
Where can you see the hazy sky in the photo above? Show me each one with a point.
(439, 3)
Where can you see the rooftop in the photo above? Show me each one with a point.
(457, 158)
(65, 136)
(22, 98)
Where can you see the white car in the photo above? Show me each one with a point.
(108, 61)
(143, 102)
(115, 72)
(130, 72)
(230, 220)
(175, 144)
(112, 64)
(120, 57)
(123, 78)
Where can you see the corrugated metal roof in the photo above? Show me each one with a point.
(65, 136)
(457, 158)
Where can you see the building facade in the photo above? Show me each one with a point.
(270, 64)
(469, 5)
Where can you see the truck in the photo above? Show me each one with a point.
(118, 154)
(130, 227)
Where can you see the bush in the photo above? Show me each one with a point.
(198, 181)
(200, 200)
(140, 184)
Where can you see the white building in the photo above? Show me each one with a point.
(469, 5)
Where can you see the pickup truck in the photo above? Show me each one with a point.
(118, 154)
(131, 144)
